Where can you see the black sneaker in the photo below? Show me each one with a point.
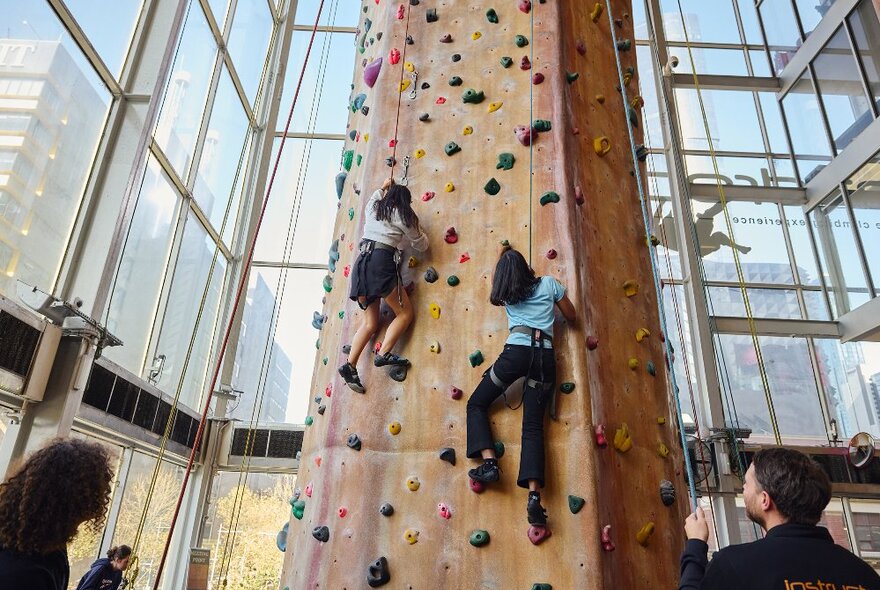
(388, 358)
(485, 473)
(350, 374)
(536, 512)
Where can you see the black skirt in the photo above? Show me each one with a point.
(373, 276)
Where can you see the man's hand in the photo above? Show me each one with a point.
(696, 527)
(387, 184)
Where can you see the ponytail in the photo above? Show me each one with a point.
(119, 552)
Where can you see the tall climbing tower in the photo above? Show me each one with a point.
(507, 121)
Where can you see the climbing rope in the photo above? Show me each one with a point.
(400, 89)
(531, 125)
(234, 309)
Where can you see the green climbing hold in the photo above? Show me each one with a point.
(506, 61)
(451, 148)
(538, 586)
(309, 420)
(492, 16)
(549, 197)
(632, 116)
(347, 158)
(325, 360)
(327, 283)
(505, 244)
(350, 213)
(520, 41)
(318, 344)
(566, 387)
(652, 369)
(298, 508)
(492, 187)
(455, 81)
(453, 281)
(505, 161)
(624, 45)
(479, 537)
(541, 125)
(359, 159)
(571, 76)
(575, 503)
(341, 314)
(476, 358)
(499, 449)
(472, 96)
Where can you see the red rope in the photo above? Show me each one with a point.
(237, 302)
(399, 91)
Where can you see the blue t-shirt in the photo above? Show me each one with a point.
(536, 311)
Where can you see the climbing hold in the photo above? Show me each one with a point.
(424, 117)
(394, 56)
(642, 155)
(494, 106)
(633, 363)
(309, 488)
(552, 254)
(450, 237)
(317, 461)
(322, 409)
(451, 148)
(596, 13)
(463, 258)
(447, 38)
(601, 441)
(566, 387)
(524, 63)
(468, 130)
(622, 440)
(538, 534)
(409, 40)
(309, 421)
(652, 369)
(411, 536)
(525, 6)
(378, 573)
(476, 35)
(601, 145)
(386, 509)
(444, 511)
(607, 544)
(492, 187)
(541, 125)
(394, 428)
(431, 275)
(318, 319)
(662, 450)
(412, 262)
(600, 98)
(347, 158)
(579, 195)
(520, 41)
(455, 393)
(506, 61)
(667, 492)
(440, 100)
(571, 77)
(435, 347)
(449, 187)
(628, 76)
(435, 310)
(575, 503)
(455, 81)
(340, 184)
(624, 45)
(425, 86)
(505, 245)
(419, 153)
(630, 288)
(413, 484)
(404, 84)
(472, 96)
(537, 78)
(400, 12)
(592, 343)
(456, 57)
(505, 161)
(298, 508)
(476, 486)
(321, 533)
(633, 117)
(661, 420)
(476, 358)
(549, 197)
(523, 134)
(479, 537)
(398, 373)
(637, 102)
(644, 534)
(358, 102)
(537, 586)
(641, 334)
(371, 72)
(581, 47)
(492, 16)
(499, 449)
(431, 15)
(281, 537)
(453, 281)
(354, 442)
(448, 455)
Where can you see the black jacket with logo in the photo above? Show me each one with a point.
(790, 557)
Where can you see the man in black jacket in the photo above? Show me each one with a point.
(785, 493)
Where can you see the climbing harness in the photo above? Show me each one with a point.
(539, 340)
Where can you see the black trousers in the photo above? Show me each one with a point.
(514, 362)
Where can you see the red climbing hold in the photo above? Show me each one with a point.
(428, 195)
(346, 271)
(400, 11)
(440, 100)
(464, 258)
(328, 391)
(601, 441)
(342, 511)
(392, 143)
(579, 195)
(539, 534)
(575, 131)
(450, 237)
(444, 511)
(552, 254)
(523, 134)
(456, 393)
(525, 6)
(592, 343)
(607, 543)
(377, 347)
(537, 78)
(525, 64)
(318, 461)
(581, 47)
(394, 56)
(476, 486)
(357, 137)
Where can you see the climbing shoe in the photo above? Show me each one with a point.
(383, 360)
(488, 472)
(350, 375)
(536, 512)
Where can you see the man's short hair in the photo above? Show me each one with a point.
(798, 486)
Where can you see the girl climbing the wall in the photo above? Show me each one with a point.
(389, 221)
(530, 303)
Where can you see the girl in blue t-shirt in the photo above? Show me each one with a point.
(530, 303)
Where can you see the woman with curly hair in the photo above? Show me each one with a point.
(42, 504)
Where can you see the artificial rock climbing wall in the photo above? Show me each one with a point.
(481, 79)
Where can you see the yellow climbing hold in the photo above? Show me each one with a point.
(630, 288)
(413, 262)
(662, 450)
(633, 363)
(435, 311)
(468, 130)
(661, 420)
(413, 483)
(435, 346)
(404, 84)
(449, 187)
(411, 536)
(600, 98)
(394, 428)
(597, 12)
(644, 534)
(602, 145)
(622, 440)
(637, 102)
(419, 153)
(494, 106)
(366, 137)
(641, 334)
(476, 35)
(627, 78)
(409, 67)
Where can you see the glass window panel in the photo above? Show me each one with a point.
(757, 236)
(765, 303)
(792, 388)
(713, 22)
(839, 253)
(866, 30)
(739, 171)
(290, 340)
(325, 93)
(834, 520)
(52, 111)
(640, 21)
(760, 65)
(648, 89)
(811, 12)
(306, 10)
(850, 375)
(732, 116)
(805, 125)
(749, 16)
(187, 90)
(138, 282)
(798, 233)
(249, 43)
(814, 304)
(684, 351)
(158, 515)
(222, 155)
(218, 9)
(866, 525)
(785, 175)
(781, 31)
(864, 197)
(727, 62)
(843, 93)
(668, 250)
(191, 274)
(303, 201)
(773, 122)
(108, 25)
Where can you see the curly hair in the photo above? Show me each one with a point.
(62, 485)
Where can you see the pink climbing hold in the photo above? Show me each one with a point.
(357, 136)
(581, 47)
(394, 56)
(607, 543)
(328, 391)
(377, 347)
(451, 236)
(476, 486)
(342, 511)
(456, 393)
(579, 195)
(346, 271)
(601, 441)
(428, 195)
(539, 534)
(392, 143)
(537, 78)
(444, 511)
(464, 258)
(309, 490)
(523, 134)
(592, 343)
(525, 6)
(440, 100)
(552, 254)
(371, 72)
(400, 11)
(525, 64)
(447, 38)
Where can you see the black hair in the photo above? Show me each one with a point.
(797, 485)
(120, 552)
(397, 198)
(513, 281)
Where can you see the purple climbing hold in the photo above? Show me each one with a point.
(371, 72)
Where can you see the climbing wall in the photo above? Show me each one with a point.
(510, 125)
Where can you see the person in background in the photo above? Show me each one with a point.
(785, 493)
(42, 504)
(106, 573)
